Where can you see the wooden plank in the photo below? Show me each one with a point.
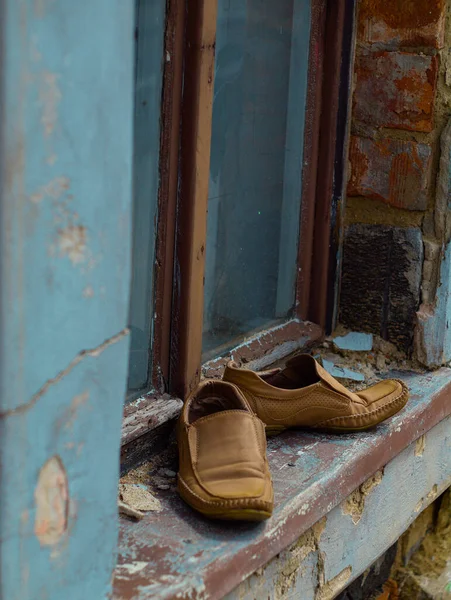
(167, 200)
(311, 148)
(146, 414)
(193, 196)
(330, 149)
(179, 552)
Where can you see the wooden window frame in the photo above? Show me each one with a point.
(325, 142)
(186, 122)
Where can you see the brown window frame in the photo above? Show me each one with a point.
(186, 121)
(325, 108)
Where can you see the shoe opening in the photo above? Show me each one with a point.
(214, 397)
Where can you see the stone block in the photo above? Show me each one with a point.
(393, 171)
(381, 280)
(395, 89)
(402, 23)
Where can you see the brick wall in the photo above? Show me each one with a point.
(401, 103)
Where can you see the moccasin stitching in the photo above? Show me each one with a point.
(404, 392)
(239, 502)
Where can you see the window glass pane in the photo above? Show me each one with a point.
(256, 166)
(150, 16)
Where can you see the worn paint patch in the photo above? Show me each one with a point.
(129, 569)
(331, 588)
(420, 446)
(72, 243)
(70, 414)
(50, 96)
(433, 493)
(54, 189)
(296, 555)
(52, 502)
(354, 505)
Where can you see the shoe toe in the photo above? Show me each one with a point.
(383, 400)
(381, 392)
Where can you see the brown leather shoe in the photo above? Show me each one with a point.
(303, 394)
(223, 470)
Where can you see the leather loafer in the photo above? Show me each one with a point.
(223, 470)
(303, 394)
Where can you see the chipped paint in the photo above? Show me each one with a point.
(72, 243)
(130, 569)
(420, 446)
(54, 190)
(354, 505)
(433, 493)
(330, 589)
(293, 558)
(52, 501)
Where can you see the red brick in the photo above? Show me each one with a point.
(392, 171)
(397, 23)
(395, 89)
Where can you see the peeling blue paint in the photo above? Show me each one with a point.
(342, 372)
(65, 152)
(355, 341)
(433, 335)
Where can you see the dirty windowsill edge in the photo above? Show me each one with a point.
(300, 505)
(258, 351)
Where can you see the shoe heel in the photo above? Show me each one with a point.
(272, 430)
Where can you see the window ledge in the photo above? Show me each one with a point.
(177, 553)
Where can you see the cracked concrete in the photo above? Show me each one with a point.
(93, 352)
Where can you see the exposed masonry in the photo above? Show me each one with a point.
(294, 557)
(400, 147)
(420, 446)
(52, 502)
(354, 505)
(329, 590)
(93, 352)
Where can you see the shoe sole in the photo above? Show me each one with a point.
(272, 431)
(231, 514)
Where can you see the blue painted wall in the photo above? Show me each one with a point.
(433, 335)
(65, 153)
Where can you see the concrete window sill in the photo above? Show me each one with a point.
(177, 553)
